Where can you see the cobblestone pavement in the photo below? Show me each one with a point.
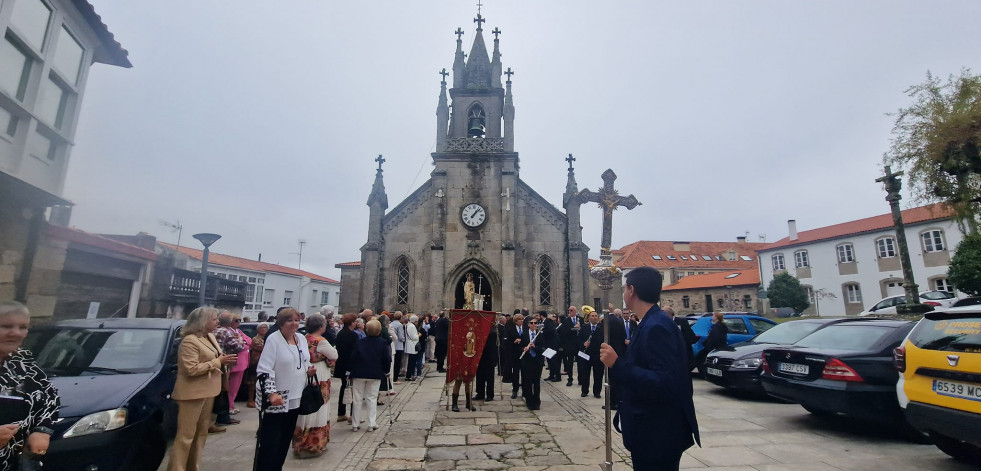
(416, 432)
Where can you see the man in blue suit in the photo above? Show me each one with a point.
(657, 415)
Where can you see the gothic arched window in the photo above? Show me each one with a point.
(545, 283)
(402, 284)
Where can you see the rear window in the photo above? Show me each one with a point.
(937, 295)
(846, 337)
(787, 333)
(954, 335)
(736, 326)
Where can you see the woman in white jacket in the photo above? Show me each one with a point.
(411, 340)
(282, 371)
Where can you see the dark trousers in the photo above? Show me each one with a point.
(341, 406)
(415, 366)
(485, 382)
(515, 375)
(531, 381)
(398, 364)
(648, 465)
(440, 354)
(555, 366)
(594, 367)
(567, 360)
(275, 437)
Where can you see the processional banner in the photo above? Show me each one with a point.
(468, 334)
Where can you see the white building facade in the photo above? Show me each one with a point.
(846, 268)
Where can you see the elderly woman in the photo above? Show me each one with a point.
(20, 377)
(346, 340)
(283, 368)
(313, 430)
(411, 340)
(199, 369)
(255, 351)
(369, 365)
(329, 333)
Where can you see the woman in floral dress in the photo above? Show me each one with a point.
(313, 430)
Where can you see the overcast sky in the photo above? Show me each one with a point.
(260, 120)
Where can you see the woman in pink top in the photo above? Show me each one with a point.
(238, 369)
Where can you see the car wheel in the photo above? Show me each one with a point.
(959, 450)
(148, 451)
(818, 412)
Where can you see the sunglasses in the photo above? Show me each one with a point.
(533, 322)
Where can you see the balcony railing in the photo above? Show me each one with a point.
(475, 145)
(187, 284)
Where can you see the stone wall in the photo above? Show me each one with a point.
(696, 299)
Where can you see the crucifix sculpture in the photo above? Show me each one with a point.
(570, 159)
(380, 161)
(509, 73)
(459, 34)
(608, 199)
(480, 22)
(444, 73)
(496, 32)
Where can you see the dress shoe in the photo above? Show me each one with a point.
(584, 395)
(597, 396)
(479, 398)
(489, 399)
(569, 383)
(514, 395)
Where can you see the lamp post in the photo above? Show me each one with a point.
(206, 239)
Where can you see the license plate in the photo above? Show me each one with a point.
(962, 390)
(794, 368)
(714, 371)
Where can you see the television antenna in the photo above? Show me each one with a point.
(174, 227)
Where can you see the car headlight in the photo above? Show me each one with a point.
(98, 422)
(747, 363)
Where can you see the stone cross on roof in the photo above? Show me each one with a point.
(444, 73)
(509, 73)
(380, 161)
(608, 199)
(496, 32)
(570, 159)
(459, 34)
(480, 22)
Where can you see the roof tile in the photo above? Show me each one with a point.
(717, 280)
(246, 264)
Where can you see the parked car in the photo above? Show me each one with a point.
(742, 327)
(114, 378)
(739, 367)
(842, 368)
(937, 299)
(968, 301)
(940, 380)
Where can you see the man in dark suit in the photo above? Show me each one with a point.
(485, 369)
(657, 415)
(550, 339)
(517, 340)
(686, 333)
(442, 334)
(532, 362)
(590, 338)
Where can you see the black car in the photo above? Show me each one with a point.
(114, 378)
(740, 365)
(843, 368)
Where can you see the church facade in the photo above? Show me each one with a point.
(473, 216)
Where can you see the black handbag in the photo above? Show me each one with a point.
(311, 400)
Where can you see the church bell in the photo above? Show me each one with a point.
(476, 127)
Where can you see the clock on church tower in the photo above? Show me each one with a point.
(473, 215)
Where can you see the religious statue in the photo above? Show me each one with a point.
(471, 348)
(468, 292)
(478, 303)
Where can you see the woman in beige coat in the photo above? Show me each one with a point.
(199, 368)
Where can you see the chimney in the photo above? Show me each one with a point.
(741, 240)
(60, 216)
(681, 246)
(792, 227)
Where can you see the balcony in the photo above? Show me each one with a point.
(185, 286)
(468, 145)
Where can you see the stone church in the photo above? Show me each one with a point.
(473, 216)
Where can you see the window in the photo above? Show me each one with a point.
(941, 284)
(853, 293)
(15, 71)
(268, 296)
(718, 257)
(732, 255)
(748, 302)
(42, 147)
(800, 259)
(287, 298)
(846, 254)
(51, 103)
(746, 258)
(8, 122)
(886, 247)
(681, 275)
(656, 257)
(314, 297)
(933, 241)
(545, 283)
(691, 273)
(250, 293)
(233, 277)
(402, 284)
(736, 326)
(760, 326)
(30, 19)
(68, 56)
(731, 276)
(706, 258)
(721, 303)
(671, 257)
(325, 297)
(810, 294)
(686, 301)
(778, 262)
(258, 293)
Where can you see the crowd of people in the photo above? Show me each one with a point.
(369, 354)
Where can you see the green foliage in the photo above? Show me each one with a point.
(965, 265)
(936, 142)
(786, 291)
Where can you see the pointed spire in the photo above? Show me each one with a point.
(508, 114)
(442, 114)
(459, 66)
(378, 188)
(478, 63)
(571, 187)
(496, 61)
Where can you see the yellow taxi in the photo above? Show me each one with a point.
(940, 380)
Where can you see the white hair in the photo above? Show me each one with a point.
(327, 310)
(413, 318)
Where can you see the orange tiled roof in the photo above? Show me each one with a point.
(875, 223)
(348, 265)
(641, 254)
(592, 262)
(246, 264)
(72, 234)
(717, 280)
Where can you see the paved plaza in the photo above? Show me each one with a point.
(738, 434)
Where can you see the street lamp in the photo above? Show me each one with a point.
(206, 239)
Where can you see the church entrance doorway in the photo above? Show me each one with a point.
(481, 286)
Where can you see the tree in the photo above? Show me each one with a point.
(965, 265)
(786, 291)
(937, 141)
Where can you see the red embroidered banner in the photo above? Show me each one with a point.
(468, 334)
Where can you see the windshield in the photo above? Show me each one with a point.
(846, 337)
(952, 335)
(73, 351)
(787, 333)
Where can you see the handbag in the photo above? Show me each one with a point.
(311, 400)
(419, 347)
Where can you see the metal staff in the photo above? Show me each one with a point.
(608, 465)
(263, 405)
